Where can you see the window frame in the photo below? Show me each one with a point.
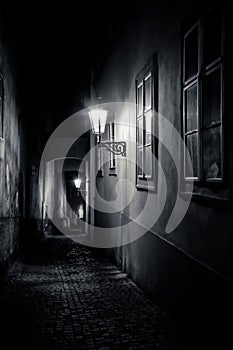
(112, 156)
(1, 107)
(150, 70)
(203, 70)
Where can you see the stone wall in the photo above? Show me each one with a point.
(11, 154)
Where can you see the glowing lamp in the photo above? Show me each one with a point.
(77, 183)
(98, 118)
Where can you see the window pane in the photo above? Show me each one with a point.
(140, 100)
(191, 108)
(191, 54)
(148, 121)
(212, 36)
(112, 161)
(1, 106)
(212, 157)
(111, 138)
(148, 161)
(112, 131)
(1, 87)
(140, 132)
(191, 144)
(212, 98)
(139, 161)
(1, 121)
(148, 93)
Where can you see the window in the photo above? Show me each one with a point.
(203, 98)
(112, 160)
(1, 106)
(146, 101)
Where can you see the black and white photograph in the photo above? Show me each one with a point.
(116, 175)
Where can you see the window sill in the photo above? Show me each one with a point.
(145, 188)
(209, 193)
(112, 172)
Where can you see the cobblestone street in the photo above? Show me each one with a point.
(64, 297)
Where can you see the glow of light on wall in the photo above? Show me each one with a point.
(80, 212)
(77, 183)
(98, 118)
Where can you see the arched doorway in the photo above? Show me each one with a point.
(64, 201)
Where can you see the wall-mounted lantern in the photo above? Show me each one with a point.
(77, 183)
(98, 118)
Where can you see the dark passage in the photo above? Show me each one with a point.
(65, 297)
(116, 125)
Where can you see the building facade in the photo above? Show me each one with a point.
(175, 61)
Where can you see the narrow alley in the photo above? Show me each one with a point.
(116, 175)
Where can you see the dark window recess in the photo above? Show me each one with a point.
(146, 122)
(203, 98)
(1, 105)
(112, 160)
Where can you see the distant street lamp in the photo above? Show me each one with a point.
(77, 183)
(80, 212)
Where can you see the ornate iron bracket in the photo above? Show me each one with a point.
(117, 148)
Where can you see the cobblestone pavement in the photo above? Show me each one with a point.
(64, 297)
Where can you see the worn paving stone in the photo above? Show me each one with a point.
(64, 297)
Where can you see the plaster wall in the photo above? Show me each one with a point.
(203, 241)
